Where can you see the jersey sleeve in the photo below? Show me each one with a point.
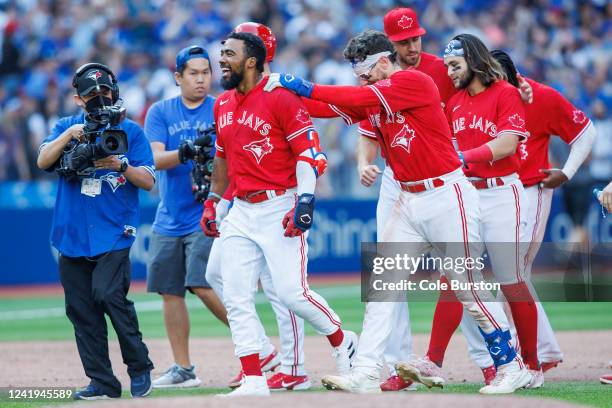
(566, 121)
(366, 129)
(155, 125)
(139, 150)
(510, 113)
(219, 146)
(406, 90)
(294, 120)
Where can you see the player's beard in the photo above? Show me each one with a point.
(233, 81)
(466, 80)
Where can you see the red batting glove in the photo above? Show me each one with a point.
(290, 229)
(208, 222)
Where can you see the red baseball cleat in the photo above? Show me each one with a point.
(286, 382)
(550, 365)
(268, 363)
(606, 379)
(489, 374)
(397, 383)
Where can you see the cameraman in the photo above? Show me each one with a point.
(96, 212)
(178, 249)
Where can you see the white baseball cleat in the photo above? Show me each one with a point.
(421, 370)
(252, 386)
(509, 378)
(537, 379)
(345, 352)
(357, 381)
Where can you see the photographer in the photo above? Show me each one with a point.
(96, 212)
(178, 249)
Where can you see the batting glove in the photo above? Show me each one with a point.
(298, 86)
(208, 222)
(460, 153)
(300, 218)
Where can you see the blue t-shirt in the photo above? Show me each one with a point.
(170, 122)
(86, 225)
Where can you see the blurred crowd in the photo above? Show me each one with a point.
(564, 43)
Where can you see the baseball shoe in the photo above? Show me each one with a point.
(179, 377)
(91, 393)
(397, 383)
(345, 352)
(286, 382)
(268, 363)
(357, 381)
(141, 385)
(509, 378)
(550, 365)
(421, 370)
(537, 379)
(488, 374)
(252, 385)
(606, 379)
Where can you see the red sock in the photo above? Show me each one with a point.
(250, 364)
(445, 321)
(335, 339)
(525, 316)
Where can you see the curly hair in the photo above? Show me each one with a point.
(479, 60)
(367, 43)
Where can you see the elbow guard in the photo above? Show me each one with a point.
(318, 159)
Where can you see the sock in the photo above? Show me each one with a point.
(335, 339)
(250, 365)
(525, 316)
(445, 321)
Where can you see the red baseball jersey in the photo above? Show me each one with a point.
(476, 120)
(549, 114)
(435, 68)
(408, 121)
(261, 134)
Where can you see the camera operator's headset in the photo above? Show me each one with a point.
(93, 65)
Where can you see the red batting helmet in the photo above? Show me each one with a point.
(263, 32)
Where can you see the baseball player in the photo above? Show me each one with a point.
(267, 145)
(487, 120)
(437, 203)
(292, 374)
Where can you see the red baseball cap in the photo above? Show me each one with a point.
(402, 23)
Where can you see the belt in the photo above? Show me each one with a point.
(261, 195)
(420, 186)
(482, 184)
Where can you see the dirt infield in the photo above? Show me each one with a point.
(57, 364)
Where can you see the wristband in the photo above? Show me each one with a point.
(479, 154)
(214, 195)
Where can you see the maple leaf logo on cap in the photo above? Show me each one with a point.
(303, 116)
(405, 22)
(579, 116)
(94, 75)
(516, 121)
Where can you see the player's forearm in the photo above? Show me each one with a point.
(318, 109)
(367, 149)
(503, 146)
(166, 159)
(52, 151)
(219, 179)
(349, 96)
(140, 177)
(580, 150)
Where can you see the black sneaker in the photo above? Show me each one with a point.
(91, 392)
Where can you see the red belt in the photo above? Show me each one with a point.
(484, 183)
(260, 196)
(421, 186)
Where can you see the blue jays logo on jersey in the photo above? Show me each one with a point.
(259, 148)
(114, 181)
(403, 138)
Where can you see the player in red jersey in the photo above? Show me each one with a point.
(549, 114)
(487, 119)
(267, 146)
(437, 203)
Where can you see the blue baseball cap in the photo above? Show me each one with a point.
(193, 51)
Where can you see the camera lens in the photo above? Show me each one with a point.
(111, 143)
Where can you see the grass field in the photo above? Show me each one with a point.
(43, 318)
